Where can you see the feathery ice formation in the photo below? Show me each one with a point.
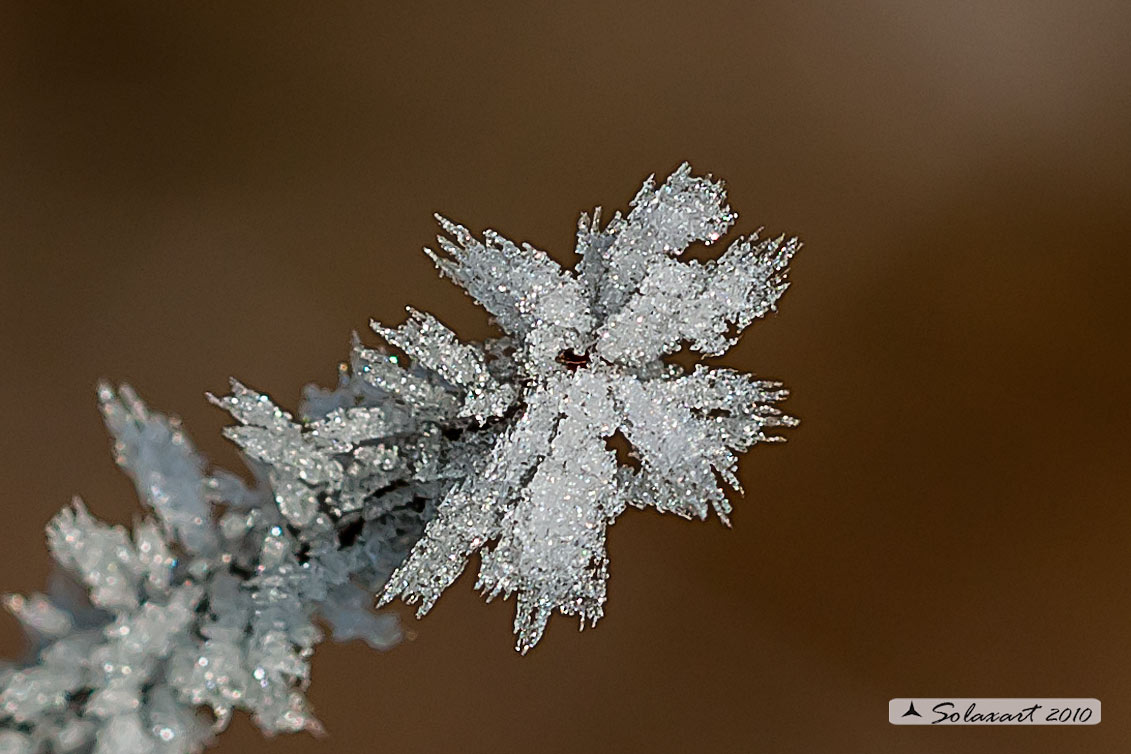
(149, 640)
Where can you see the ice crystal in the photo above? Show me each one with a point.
(387, 483)
(588, 348)
(168, 472)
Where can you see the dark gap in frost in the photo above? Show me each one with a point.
(620, 445)
(573, 360)
(349, 533)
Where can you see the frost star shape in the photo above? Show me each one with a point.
(583, 361)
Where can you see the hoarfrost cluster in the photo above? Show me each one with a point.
(425, 453)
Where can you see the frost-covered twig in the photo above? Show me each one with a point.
(389, 482)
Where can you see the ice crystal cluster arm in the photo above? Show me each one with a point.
(422, 455)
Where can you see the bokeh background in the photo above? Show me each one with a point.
(190, 191)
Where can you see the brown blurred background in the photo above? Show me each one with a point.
(190, 191)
